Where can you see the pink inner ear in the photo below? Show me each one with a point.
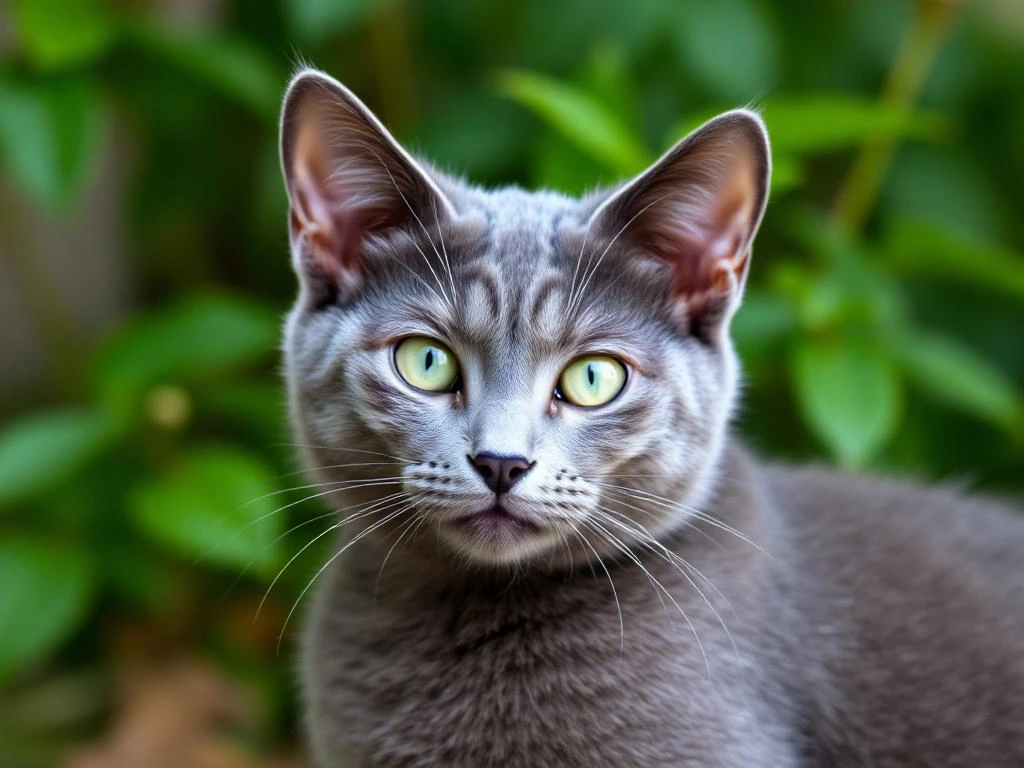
(325, 214)
(701, 221)
(710, 251)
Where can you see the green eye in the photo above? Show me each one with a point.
(426, 364)
(592, 380)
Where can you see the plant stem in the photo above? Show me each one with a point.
(908, 73)
(54, 322)
(390, 43)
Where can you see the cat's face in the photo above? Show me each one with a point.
(521, 373)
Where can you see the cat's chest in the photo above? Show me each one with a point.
(549, 674)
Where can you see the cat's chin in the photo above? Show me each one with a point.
(495, 536)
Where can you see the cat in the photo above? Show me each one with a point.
(552, 550)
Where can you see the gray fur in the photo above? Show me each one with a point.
(682, 603)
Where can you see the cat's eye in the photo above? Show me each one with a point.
(426, 364)
(591, 381)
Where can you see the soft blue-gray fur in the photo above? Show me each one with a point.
(675, 602)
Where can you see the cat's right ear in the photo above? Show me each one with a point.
(347, 180)
(698, 209)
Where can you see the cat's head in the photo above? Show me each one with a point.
(524, 373)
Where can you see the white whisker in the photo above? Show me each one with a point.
(615, 594)
(649, 542)
(380, 506)
(406, 527)
(636, 561)
(444, 250)
(592, 270)
(391, 516)
(426, 260)
(676, 505)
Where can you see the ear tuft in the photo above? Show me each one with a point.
(347, 179)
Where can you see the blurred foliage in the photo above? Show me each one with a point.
(146, 501)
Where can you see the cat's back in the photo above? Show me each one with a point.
(912, 606)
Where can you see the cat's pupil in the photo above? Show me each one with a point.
(429, 361)
(590, 373)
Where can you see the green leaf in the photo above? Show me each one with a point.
(763, 322)
(63, 33)
(49, 137)
(232, 65)
(200, 337)
(215, 506)
(728, 46)
(583, 120)
(42, 451)
(945, 185)
(47, 590)
(920, 248)
(955, 374)
(313, 21)
(849, 394)
(825, 122)
(254, 409)
(787, 173)
(559, 165)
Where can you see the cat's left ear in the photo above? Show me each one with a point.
(698, 208)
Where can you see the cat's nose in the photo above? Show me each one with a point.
(500, 472)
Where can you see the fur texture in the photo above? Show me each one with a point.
(660, 598)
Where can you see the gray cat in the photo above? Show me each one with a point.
(552, 552)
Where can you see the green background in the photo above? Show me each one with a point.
(148, 493)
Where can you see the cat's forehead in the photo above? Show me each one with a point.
(517, 268)
(530, 275)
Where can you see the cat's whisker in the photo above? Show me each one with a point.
(567, 551)
(616, 497)
(621, 547)
(617, 543)
(346, 449)
(646, 538)
(406, 527)
(590, 563)
(416, 276)
(231, 534)
(723, 481)
(579, 259)
(291, 530)
(340, 466)
(666, 503)
(592, 269)
(333, 484)
(615, 594)
(338, 486)
(391, 516)
(650, 543)
(449, 300)
(444, 249)
(380, 507)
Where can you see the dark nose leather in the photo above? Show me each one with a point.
(500, 472)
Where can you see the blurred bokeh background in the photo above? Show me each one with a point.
(147, 489)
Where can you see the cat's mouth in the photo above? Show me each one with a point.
(495, 520)
(497, 534)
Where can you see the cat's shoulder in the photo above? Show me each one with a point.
(899, 529)
(826, 492)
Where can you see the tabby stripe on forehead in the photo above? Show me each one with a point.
(541, 295)
(490, 286)
(553, 254)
